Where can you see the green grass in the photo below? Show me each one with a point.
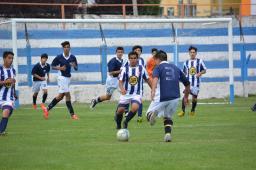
(218, 137)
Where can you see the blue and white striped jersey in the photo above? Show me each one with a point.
(133, 79)
(191, 68)
(7, 93)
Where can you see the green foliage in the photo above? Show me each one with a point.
(149, 10)
(218, 137)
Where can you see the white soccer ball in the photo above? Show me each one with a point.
(123, 135)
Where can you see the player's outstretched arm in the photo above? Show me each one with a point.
(121, 87)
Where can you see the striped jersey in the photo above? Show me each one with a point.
(7, 93)
(133, 79)
(191, 68)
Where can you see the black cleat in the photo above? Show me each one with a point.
(93, 103)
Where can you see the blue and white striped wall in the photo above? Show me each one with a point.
(211, 43)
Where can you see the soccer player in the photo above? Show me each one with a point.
(7, 89)
(114, 69)
(39, 72)
(165, 92)
(130, 84)
(193, 68)
(151, 63)
(63, 63)
(138, 50)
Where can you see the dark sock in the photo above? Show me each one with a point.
(98, 100)
(193, 106)
(34, 99)
(126, 109)
(44, 97)
(118, 118)
(70, 108)
(52, 104)
(183, 105)
(168, 125)
(140, 110)
(129, 116)
(3, 124)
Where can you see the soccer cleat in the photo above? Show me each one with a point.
(3, 133)
(253, 108)
(192, 113)
(167, 137)
(181, 114)
(152, 118)
(139, 120)
(93, 103)
(34, 106)
(46, 112)
(74, 117)
(42, 105)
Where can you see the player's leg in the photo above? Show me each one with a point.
(170, 109)
(183, 108)
(139, 120)
(154, 109)
(34, 99)
(7, 110)
(135, 103)
(35, 90)
(52, 104)
(194, 92)
(45, 94)
(119, 115)
(99, 99)
(70, 107)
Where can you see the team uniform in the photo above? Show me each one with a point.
(40, 70)
(64, 76)
(114, 64)
(7, 96)
(190, 69)
(167, 91)
(132, 78)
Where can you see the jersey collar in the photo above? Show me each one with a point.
(120, 60)
(162, 62)
(66, 57)
(42, 64)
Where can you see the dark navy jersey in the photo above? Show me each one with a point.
(169, 76)
(40, 70)
(114, 65)
(60, 60)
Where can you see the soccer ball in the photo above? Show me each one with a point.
(123, 135)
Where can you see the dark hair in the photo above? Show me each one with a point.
(153, 50)
(44, 55)
(132, 53)
(192, 48)
(161, 55)
(63, 44)
(6, 53)
(137, 46)
(119, 48)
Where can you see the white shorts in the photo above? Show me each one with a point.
(164, 109)
(63, 83)
(126, 99)
(111, 85)
(194, 90)
(6, 103)
(38, 85)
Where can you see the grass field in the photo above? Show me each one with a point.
(219, 137)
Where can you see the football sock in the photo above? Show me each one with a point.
(193, 106)
(44, 97)
(183, 105)
(34, 99)
(3, 124)
(98, 100)
(70, 108)
(129, 116)
(140, 110)
(52, 104)
(118, 118)
(168, 125)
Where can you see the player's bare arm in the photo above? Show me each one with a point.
(121, 87)
(153, 87)
(112, 73)
(200, 73)
(149, 81)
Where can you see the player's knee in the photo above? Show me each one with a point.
(7, 110)
(35, 94)
(108, 97)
